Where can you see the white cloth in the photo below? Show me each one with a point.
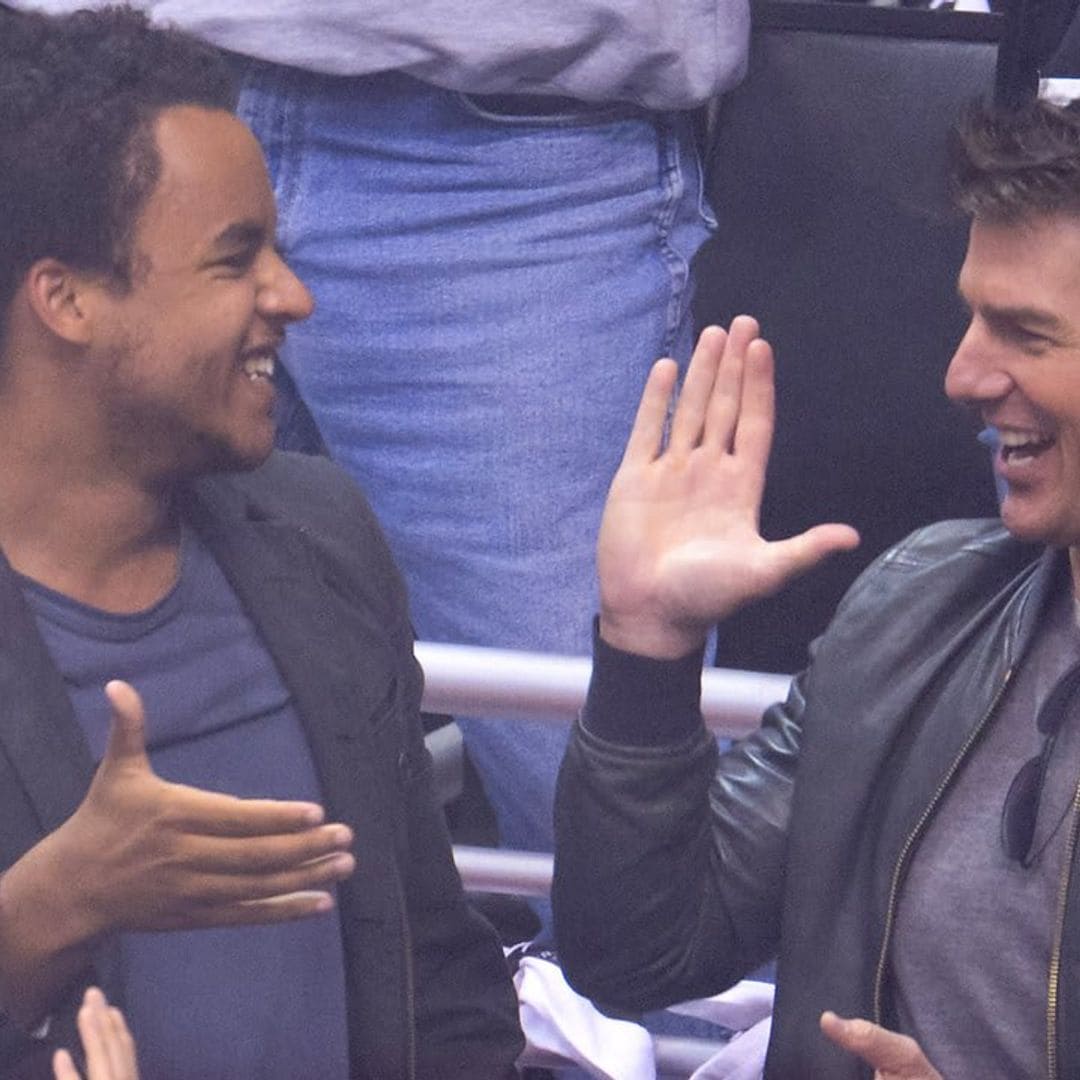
(563, 1028)
(747, 1009)
(661, 54)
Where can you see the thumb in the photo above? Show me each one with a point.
(887, 1052)
(803, 552)
(127, 735)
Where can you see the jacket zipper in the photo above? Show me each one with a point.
(909, 843)
(410, 981)
(1059, 933)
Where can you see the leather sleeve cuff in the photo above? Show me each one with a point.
(635, 700)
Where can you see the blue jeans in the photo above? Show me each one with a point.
(491, 287)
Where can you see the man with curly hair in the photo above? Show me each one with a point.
(215, 801)
(903, 830)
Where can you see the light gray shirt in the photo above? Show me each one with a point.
(661, 54)
(971, 950)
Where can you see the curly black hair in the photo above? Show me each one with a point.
(1012, 164)
(79, 95)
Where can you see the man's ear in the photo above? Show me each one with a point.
(63, 299)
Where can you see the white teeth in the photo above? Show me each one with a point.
(1021, 438)
(259, 366)
(1020, 446)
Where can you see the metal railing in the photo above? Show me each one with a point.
(466, 680)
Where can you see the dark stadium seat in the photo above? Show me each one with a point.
(827, 174)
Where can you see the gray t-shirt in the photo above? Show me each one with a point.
(971, 950)
(661, 54)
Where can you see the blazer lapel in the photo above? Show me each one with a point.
(338, 673)
(38, 731)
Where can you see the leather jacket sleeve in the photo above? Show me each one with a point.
(669, 872)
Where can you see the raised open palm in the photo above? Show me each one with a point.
(680, 546)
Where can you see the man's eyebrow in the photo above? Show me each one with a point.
(1032, 317)
(241, 234)
(1037, 318)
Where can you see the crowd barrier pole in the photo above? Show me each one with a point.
(466, 680)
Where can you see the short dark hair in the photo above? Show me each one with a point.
(79, 95)
(1012, 164)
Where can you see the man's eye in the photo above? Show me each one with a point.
(1030, 339)
(239, 261)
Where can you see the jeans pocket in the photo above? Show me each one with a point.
(528, 110)
(705, 210)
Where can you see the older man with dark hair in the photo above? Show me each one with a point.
(903, 830)
(240, 842)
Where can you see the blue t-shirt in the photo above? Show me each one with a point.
(263, 1002)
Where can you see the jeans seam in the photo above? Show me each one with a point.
(279, 108)
(673, 187)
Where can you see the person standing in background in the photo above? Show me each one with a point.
(495, 206)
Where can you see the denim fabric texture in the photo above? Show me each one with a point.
(493, 278)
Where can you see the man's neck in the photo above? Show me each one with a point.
(108, 545)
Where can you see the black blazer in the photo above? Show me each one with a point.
(428, 991)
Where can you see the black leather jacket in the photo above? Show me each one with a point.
(678, 871)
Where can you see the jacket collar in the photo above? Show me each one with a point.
(338, 668)
(38, 732)
(279, 575)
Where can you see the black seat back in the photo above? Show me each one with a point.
(828, 177)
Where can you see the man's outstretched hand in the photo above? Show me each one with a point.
(680, 546)
(141, 853)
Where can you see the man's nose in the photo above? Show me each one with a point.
(282, 295)
(978, 371)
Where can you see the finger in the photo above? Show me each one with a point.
(210, 813)
(260, 855)
(647, 434)
(688, 424)
(754, 429)
(726, 400)
(209, 890)
(93, 1025)
(121, 1043)
(285, 907)
(790, 558)
(64, 1067)
(883, 1050)
(127, 738)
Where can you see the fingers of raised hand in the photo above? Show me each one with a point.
(647, 434)
(891, 1055)
(688, 423)
(757, 407)
(725, 406)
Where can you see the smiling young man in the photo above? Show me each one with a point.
(903, 830)
(215, 800)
